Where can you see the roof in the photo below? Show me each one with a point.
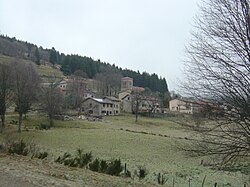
(102, 101)
(125, 96)
(138, 89)
(111, 98)
(194, 101)
(127, 78)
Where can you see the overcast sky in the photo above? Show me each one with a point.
(144, 35)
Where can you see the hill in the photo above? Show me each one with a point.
(70, 63)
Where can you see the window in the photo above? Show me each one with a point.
(104, 105)
(90, 104)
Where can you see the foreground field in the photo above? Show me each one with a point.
(19, 171)
(153, 143)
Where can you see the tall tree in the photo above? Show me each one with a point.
(218, 70)
(5, 90)
(53, 56)
(37, 56)
(25, 85)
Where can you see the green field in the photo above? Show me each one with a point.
(153, 143)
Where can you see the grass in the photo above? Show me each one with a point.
(46, 72)
(115, 137)
(6, 59)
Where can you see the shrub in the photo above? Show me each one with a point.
(79, 160)
(115, 167)
(70, 162)
(103, 166)
(63, 158)
(83, 159)
(1, 147)
(18, 147)
(142, 172)
(43, 126)
(95, 165)
(87, 158)
(42, 155)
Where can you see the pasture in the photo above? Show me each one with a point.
(151, 142)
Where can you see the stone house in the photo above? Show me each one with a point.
(100, 107)
(126, 102)
(181, 105)
(116, 102)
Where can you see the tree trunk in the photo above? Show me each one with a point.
(51, 121)
(3, 122)
(20, 122)
(136, 112)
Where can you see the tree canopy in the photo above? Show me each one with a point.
(217, 72)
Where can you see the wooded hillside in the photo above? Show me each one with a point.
(71, 63)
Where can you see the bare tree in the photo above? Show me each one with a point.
(137, 98)
(51, 100)
(218, 72)
(25, 84)
(109, 82)
(76, 90)
(5, 90)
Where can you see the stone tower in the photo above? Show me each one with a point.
(126, 83)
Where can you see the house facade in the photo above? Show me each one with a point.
(126, 102)
(146, 103)
(116, 106)
(182, 105)
(100, 107)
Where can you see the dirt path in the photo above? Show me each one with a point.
(18, 171)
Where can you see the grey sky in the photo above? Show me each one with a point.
(144, 35)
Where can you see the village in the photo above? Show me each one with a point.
(93, 103)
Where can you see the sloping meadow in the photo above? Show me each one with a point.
(155, 144)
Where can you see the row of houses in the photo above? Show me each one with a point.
(194, 106)
(125, 102)
(92, 104)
